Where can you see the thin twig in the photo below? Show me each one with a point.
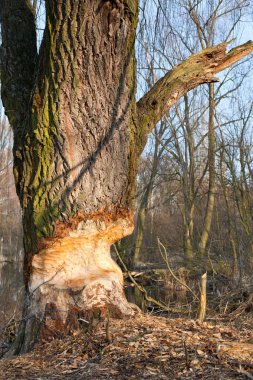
(165, 258)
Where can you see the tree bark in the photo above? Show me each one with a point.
(143, 208)
(211, 174)
(76, 162)
(77, 137)
(188, 182)
(236, 269)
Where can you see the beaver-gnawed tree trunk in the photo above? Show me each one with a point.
(78, 133)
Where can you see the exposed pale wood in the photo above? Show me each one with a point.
(237, 350)
(202, 302)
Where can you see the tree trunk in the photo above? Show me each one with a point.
(211, 172)
(143, 208)
(231, 234)
(78, 134)
(75, 167)
(202, 302)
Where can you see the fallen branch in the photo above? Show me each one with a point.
(143, 290)
(242, 308)
(165, 258)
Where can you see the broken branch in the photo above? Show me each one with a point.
(197, 69)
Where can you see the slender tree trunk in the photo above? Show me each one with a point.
(236, 269)
(242, 196)
(139, 235)
(188, 183)
(189, 251)
(142, 212)
(202, 302)
(211, 172)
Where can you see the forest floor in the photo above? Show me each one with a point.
(147, 347)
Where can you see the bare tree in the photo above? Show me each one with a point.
(192, 122)
(78, 134)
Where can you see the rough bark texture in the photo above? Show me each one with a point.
(198, 69)
(77, 138)
(18, 60)
(76, 160)
(81, 116)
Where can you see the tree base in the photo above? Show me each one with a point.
(74, 278)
